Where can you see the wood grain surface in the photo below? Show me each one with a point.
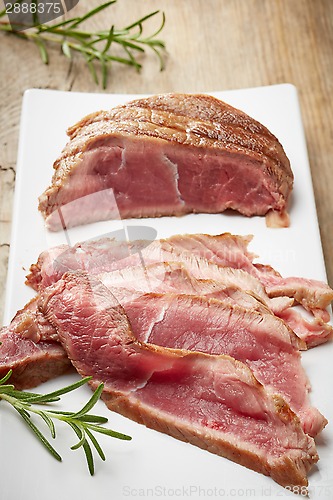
(211, 45)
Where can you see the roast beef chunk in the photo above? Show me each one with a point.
(168, 154)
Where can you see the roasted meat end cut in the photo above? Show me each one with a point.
(31, 363)
(169, 154)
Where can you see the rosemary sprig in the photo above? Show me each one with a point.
(95, 47)
(82, 422)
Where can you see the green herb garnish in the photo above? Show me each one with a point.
(94, 46)
(82, 423)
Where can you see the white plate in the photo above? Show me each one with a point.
(154, 465)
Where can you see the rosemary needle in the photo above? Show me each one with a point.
(94, 46)
(82, 422)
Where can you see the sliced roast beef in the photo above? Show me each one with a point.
(230, 250)
(165, 277)
(106, 255)
(29, 342)
(32, 361)
(313, 333)
(214, 402)
(197, 253)
(313, 295)
(225, 250)
(262, 341)
(168, 154)
(96, 256)
(175, 277)
(131, 288)
(128, 284)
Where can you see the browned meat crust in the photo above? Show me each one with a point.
(200, 123)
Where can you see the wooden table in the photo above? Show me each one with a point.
(212, 45)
